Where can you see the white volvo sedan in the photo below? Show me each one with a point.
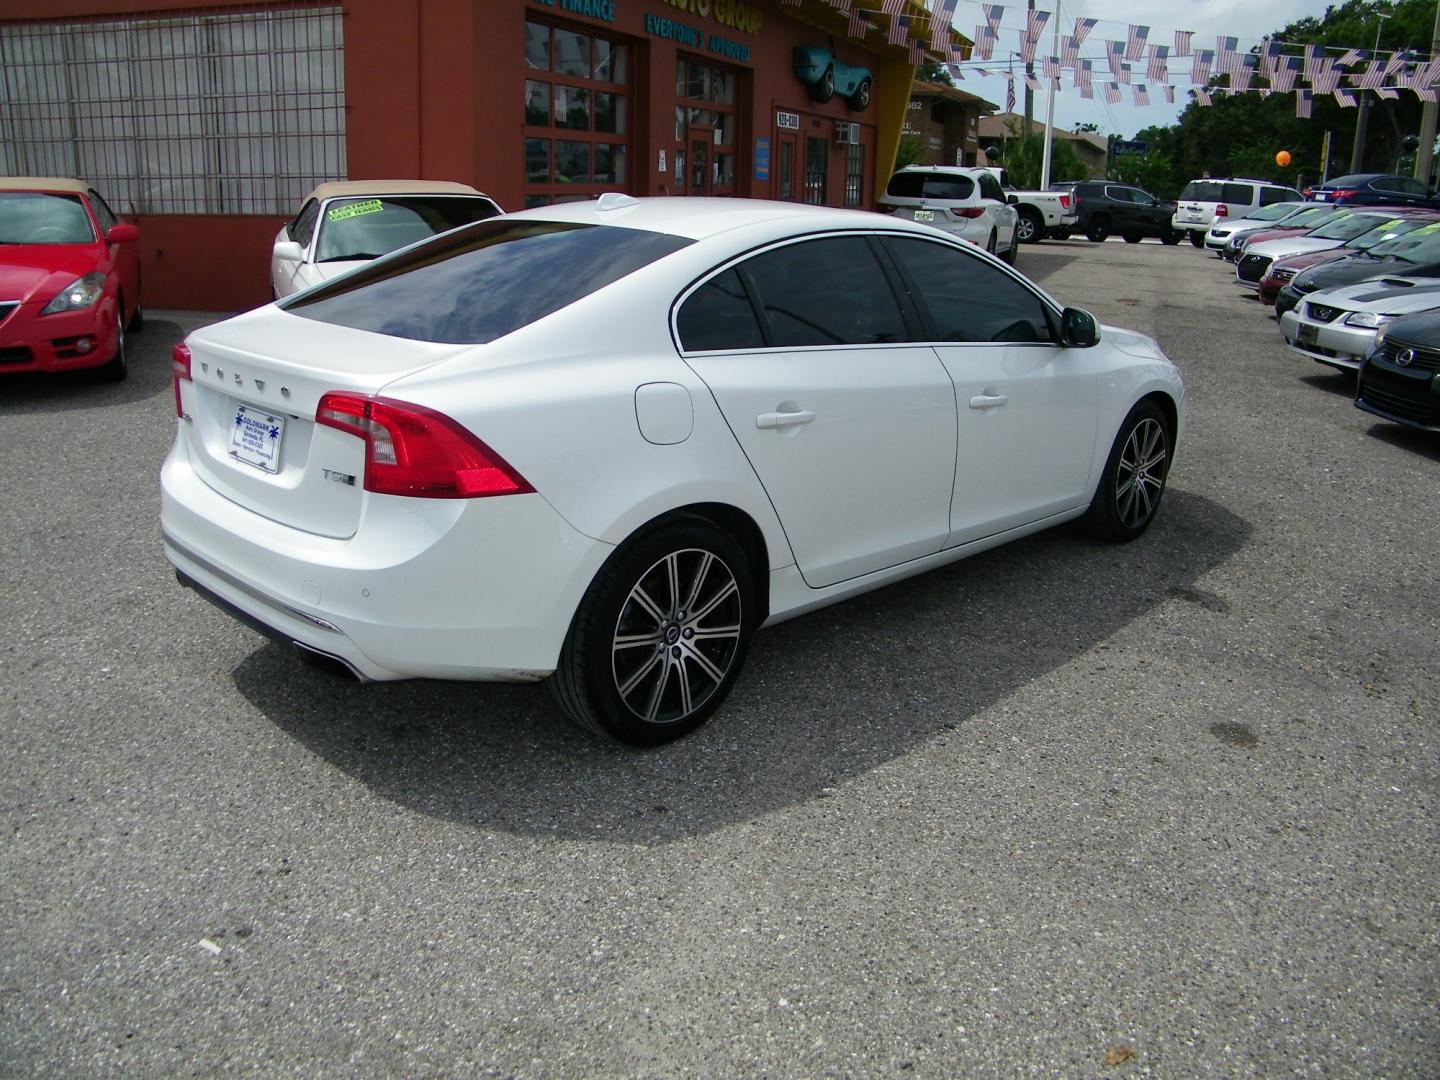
(605, 442)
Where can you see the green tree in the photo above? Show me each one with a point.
(908, 151)
(1022, 158)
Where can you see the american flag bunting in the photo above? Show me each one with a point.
(842, 6)
(1200, 66)
(1202, 98)
(1327, 77)
(1182, 43)
(1051, 67)
(1345, 98)
(1241, 73)
(1135, 42)
(1033, 83)
(1374, 76)
(1158, 70)
(1070, 52)
(1423, 94)
(1142, 95)
(1112, 94)
(1351, 56)
(1009, 93)
(1114, 54)
(1302, 104)
(1225, 54)
(984, 42)
(1282, 80)
(917, 53)
(1169, 94)
(899, 29)
(859, 24)
(940, 21)
(1314, 54)
(1387, 93)
(893, 7)
(992, 14)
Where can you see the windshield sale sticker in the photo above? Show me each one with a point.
(369, 206)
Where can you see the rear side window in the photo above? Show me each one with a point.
(990, 188)
(1237, 193)
(718, 315)
(1202, 191)
(825, 292)
(917, 185)
(483, 281)
(1271, 195)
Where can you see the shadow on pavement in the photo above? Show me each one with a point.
(823, 698)
(1425, 443)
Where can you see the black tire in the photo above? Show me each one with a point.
(1098, 228)
(617, 668)
(1132, 238)
(1134, 479)
(824, 88)
(1014, 251)
(137, 320)
(1170, 239)
(861, 98)
(1030, 229)
(1197, 239)
(117, 367)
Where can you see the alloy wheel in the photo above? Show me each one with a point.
(677, 636)
(1141, 476)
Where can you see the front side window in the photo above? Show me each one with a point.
(966, 299)
(1118, 194)
(103, 213)
(825, 292)
(302, 229)
(483, 281)
(32, 217)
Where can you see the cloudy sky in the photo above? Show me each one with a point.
(1245, 19)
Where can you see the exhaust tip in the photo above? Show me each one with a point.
(327, 662)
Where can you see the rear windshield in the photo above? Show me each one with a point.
(1353, 180)
(483, 281)
(366, 228)
(1202, 191)
(32, 217)
(1347, 228)
(918, 185)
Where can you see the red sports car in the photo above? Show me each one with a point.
(69, 278)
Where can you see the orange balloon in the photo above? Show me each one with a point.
(1282, 158)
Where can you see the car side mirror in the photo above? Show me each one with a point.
(122, 234)
(289, 251)
(1078, 329)
(1012, 200)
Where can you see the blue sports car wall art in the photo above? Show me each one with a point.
(826, 76)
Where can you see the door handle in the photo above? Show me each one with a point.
(988, 401)
(783, 419)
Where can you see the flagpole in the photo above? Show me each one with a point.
(1050, 107)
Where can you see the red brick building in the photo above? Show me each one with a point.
(207, 123)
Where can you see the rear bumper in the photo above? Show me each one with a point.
(70, 340)
(460, 589)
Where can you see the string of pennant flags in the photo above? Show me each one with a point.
(933, 35)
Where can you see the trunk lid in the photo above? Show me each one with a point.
(252, 435)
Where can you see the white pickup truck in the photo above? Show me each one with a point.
(1042, 213)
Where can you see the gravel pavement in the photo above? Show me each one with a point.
(1063, 810)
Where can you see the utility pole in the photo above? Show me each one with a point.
(1050, 106)
(1426, 149)
(1029, 96)
(1362, 114)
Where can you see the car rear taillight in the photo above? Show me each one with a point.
(415, 451)
(1221, 210)
(1308, 192)
(967, 211)
(179, 369)
(1343, 194)
(1064, 202)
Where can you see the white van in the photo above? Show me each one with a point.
(1203, 202)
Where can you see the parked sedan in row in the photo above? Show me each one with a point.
(1258, 257)
(1400, 378)
(342, 225)
(1373, 189)
(1271, 216)
(1337, 327)
(1412, 253)
(607, 441)
(69, 278)
(1310, 217)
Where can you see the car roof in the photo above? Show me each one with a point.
(336, 189)
(963, 170)
(699, 218)
(43, 183)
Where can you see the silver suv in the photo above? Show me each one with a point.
(969, 203)
(1203, 202)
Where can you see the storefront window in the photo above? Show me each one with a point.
(706, 129)
(854, 174)
(576, 114)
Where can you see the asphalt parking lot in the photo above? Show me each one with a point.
(1063, 810)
